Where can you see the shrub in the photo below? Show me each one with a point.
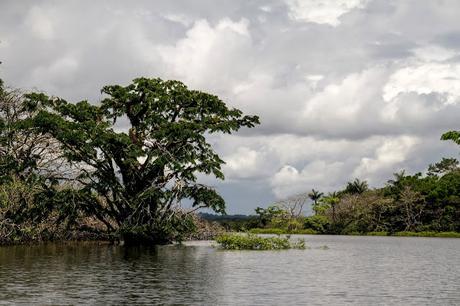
(317, 223)
(294, 225)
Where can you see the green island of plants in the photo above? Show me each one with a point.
(235, 241)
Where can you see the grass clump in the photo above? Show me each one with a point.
(254, 242)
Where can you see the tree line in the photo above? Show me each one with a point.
(427, 202)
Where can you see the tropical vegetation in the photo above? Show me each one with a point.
(408, 205)
(255, 242)
(120, 167)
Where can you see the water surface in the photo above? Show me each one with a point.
(354, 270)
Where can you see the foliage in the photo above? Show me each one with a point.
(317, 223)
(315, 196)
(331, 201)
(266, 215)
(132, 179)
(25, 153)
(408, 203)
(356, 187)
(444, 166)
(34, 200)
(254, 242)
(280, 231)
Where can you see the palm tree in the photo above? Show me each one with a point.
(398, 177)
(356, 187)
(332, 199)
(315, 196)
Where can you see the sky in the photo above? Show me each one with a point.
(344, 88)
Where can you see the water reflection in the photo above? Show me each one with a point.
(354, 270)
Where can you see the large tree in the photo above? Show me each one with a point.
(139, 152)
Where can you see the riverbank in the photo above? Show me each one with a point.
(86, 230)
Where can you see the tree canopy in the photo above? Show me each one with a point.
(139, 151)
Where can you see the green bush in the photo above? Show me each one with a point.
(254, 242)
(294, 225)
(319, 224)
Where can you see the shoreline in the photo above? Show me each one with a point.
(277, 231)
(267, 232)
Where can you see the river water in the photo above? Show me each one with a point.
(352, 270)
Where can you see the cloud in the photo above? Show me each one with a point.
(289, 180)
(388, 157)
(62, 72)
(40, 23)
(425, 78)
(244, 163)
(343, 88)
(343, 109)
(181, 19)
(322, 11)
(434, 53)
(206, 56)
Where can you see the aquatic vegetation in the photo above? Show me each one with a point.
(255, 242)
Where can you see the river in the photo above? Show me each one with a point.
(351, 270)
